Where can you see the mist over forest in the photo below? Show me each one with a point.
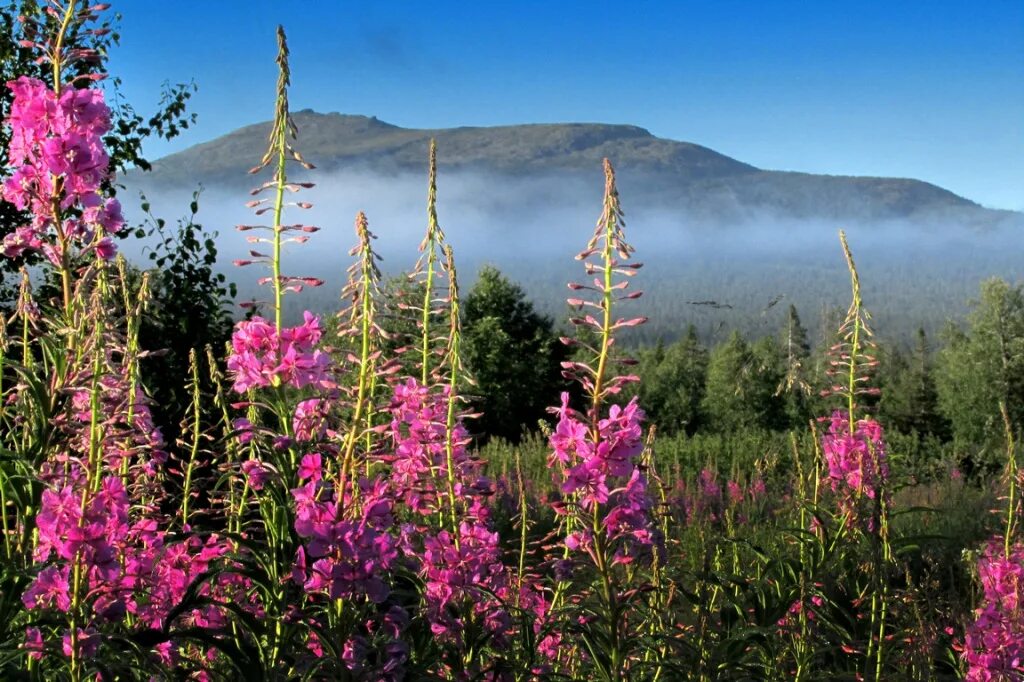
(717, 273)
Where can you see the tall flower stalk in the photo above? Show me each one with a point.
(993, 646)
(280, 151)
(607, 516)
(432, 249)
(61, 166)
(855, 455)
(360, 321)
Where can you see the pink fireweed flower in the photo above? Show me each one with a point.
(260, 357)
(735, 492)
(587, 479)
(344, 557)
(569, 439)
(857, 466)
(245, 430)
(994, 643)
(621, 439)
(460, 579)
(34, 643)
(56, 145)
(758, 489)
(311, 467)
(604, 473)
(88, 643)
(419, 459)
(50, 589)
(310, 420)
(256, 473)
(66, 531)
(707, 503)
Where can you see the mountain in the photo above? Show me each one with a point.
(524, 198)
(683, 176)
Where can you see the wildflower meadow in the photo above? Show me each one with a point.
(324, 510)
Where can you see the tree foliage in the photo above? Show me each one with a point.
(513, 354)
(673, 385)
(983, 365)
(190, 309)
(741, 385)
(909, 399)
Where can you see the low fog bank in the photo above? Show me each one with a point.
(718, 275)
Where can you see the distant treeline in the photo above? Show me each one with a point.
(947, 386)
(719, 295)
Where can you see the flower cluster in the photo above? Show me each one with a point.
(309, 423)
(59, 163)
(705, 501)
(994, 642)
(129, 429)
(260, 356)
(857, 466)
(592, 466)
(349, 556)
(124, 566)
(605, 471)
(380, 654)
(465, 570)
(420, 459)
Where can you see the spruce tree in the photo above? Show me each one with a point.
(673, 384)
(513, 355)
(984, 365)
(795, 388)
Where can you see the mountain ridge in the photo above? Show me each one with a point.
(680, 175)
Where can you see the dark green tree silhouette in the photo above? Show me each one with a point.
(909, 400)
(513, 355)
(672, 384)
(741, 385)
(983, 366)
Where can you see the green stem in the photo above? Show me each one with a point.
(431, 243)
(1011, 465)
(281, 179)
(58, 65)
(366, 349)
(854, 316)
(196, 433)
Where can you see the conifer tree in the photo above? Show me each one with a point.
(673, 384)
(513, 354)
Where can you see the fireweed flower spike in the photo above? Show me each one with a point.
(855, 455)
(59, 161)
(993, 646)
(856, 462)
(261, 356)
(279, 152)
(994, 643)
(431, 250)
(854, 448)
(362, 338)
(608, 515)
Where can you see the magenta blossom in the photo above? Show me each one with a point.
(59, 160)
(310, 420)
(856, 460)
(600, 469)
(994, 642)
(261, 357)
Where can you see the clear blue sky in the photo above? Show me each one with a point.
(930, 89)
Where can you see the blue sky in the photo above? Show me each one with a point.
(926, 89)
